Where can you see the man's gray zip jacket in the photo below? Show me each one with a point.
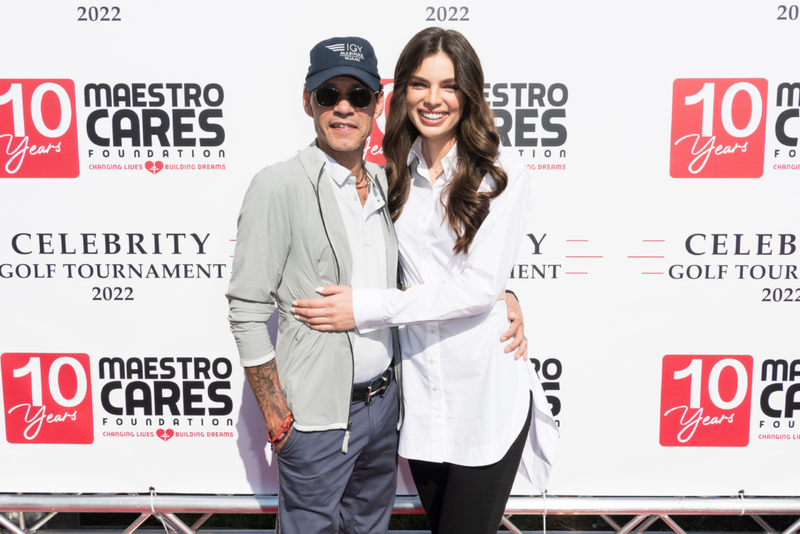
(292, 240)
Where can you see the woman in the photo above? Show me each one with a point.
(460, 206)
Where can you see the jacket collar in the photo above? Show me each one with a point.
(329, 211)
(311, 163)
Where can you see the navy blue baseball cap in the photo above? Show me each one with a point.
(343, 56)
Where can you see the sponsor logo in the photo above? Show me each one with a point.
(128, 126)
(718, 128)
(38, 129)
(47, 398)
(155, 127)
(787, 126)
(779, 400)
(350, 52)
(705, 401)
(179, 396)
(531, 117)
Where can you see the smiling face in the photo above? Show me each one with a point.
(433, 100)
(342, 130)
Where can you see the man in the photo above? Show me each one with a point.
(320, 219)
(331, 401)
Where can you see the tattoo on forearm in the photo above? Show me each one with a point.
(269, 395)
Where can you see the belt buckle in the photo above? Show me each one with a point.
(381, 390)
(385, 385)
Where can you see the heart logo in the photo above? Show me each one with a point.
(168, 433)
(154, 166)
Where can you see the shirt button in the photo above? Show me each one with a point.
(433, 361)
(436, 416)
(433, 330)
(435, 388)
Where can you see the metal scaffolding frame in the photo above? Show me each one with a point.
(645, 510)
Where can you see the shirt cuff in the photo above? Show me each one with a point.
(367, 310)
(261, 360)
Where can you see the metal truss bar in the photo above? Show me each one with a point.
(133, 526)
(610, 521)
(6, 522)
(228, 531)
(764, 524)
(672, 524)
(200, 521)
(509, 525)
(644, 526)
(243, 531)
(183, 527)
(632, 524)
(605, 506)
(169, 528)
(794, 528)
(252, 504)
(42, 521)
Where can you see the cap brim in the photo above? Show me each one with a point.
(318, 78)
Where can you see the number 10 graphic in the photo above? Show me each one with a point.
(718, 128)
(47, 398)
(705, 401)
(38, 129)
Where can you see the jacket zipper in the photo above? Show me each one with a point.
(338, 282)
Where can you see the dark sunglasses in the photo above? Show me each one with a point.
(359, 98)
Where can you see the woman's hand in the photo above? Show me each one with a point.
(516, 330)
(333, 313)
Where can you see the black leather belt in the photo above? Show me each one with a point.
(376, 387)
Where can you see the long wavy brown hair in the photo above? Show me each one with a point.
(476, 135)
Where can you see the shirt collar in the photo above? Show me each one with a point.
(340, 174)
(337, 173)
(447, 162)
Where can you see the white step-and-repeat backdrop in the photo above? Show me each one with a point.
(659, 275)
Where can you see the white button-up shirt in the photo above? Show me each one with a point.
(465, 399)
(372, 351)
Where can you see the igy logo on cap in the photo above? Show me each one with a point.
(347, 51)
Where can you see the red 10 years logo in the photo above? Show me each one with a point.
(47, 398)
(705, 401)
(38, 129)
(718, 128)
